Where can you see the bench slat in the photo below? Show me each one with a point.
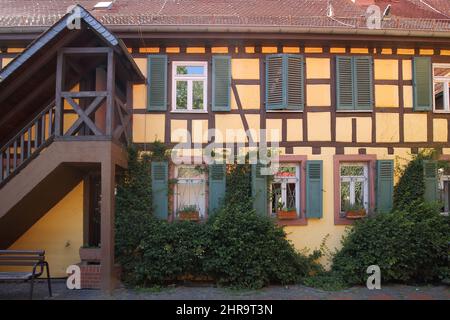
(15, 275)
(27, 252)
(17, 263)
(32, 258)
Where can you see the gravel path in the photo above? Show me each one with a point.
(296, 292)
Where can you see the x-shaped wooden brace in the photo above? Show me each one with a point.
(124, 120)
(84, 116)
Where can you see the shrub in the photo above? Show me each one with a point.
(249, 250)
(235, 247)
(408, 246)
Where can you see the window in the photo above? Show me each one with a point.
(444, 189)
(354, 83)
(190, 190)
(441, 84)
(286, 189)
(354, 188)
(189, 86)
(284, 82)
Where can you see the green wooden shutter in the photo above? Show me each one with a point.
(221, 83)
(160, 189)
(314, 173)
(423, 84)
(295, 82)
(385, 185)
(259, 190)
(362, 83)
(430, 174)
(275, 82)
(217, 185)
(157, 82)
(344, 83)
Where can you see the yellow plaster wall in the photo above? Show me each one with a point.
(139, 96)
(364, 129)
(291, 49)
(313, 50)
(386, 96)
(253, 121)
(359, 50)
(440, 127)
(199, 131)
(274, 129)
(415, 127)
(337, 50)
(59, 232)
(6, 61)
(343, 129)
(407, 96)
(405, 51)
(249, 95)
(386, 69)
(310, 236)
(319, 126)
(142, 65)
(407, 69)
(178, 131)
(148, 127)
(231, 122)
(245, 68)
(318, 95)
(387, 125)
(195, 50)
(318, 68)
(294, 130)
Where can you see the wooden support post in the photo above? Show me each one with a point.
(58, 99)
(86, 208)
(110, 88)
(108, 173)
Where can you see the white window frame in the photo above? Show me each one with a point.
(352, 180)
(446, 82)
(189, 79)
(284, 182)
(179, 181)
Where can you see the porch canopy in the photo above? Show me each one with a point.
(27, 83)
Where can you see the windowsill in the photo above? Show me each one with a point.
(441, 111)
(293, 222)
(284, 111)
(356, 111)
(188, 111)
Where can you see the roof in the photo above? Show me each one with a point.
(56, 29)
(430, 15)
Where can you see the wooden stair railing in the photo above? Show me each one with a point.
(27, 143)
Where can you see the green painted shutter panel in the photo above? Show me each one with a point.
(160, 189)
(430, 173)
(295, 82)
(314, 173)
(275, 82)
(385, 185)
(217, 186)
(363, 83)
(221, 71)
(344, 83)
(423, 84)
(259, 189)
(157, 82)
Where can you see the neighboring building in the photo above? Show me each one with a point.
(347, 103)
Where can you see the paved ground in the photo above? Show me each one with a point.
(21, 290)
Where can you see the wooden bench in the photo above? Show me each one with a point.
(22, 258)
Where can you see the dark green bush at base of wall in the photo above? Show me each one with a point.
(407, 246)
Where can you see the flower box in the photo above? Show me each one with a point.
(90, 254)
(287, 214)
(189, 216)
(355, 214)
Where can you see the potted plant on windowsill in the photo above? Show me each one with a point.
(90, 254)
(355, 211)
(286, 213)
(189, 213)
